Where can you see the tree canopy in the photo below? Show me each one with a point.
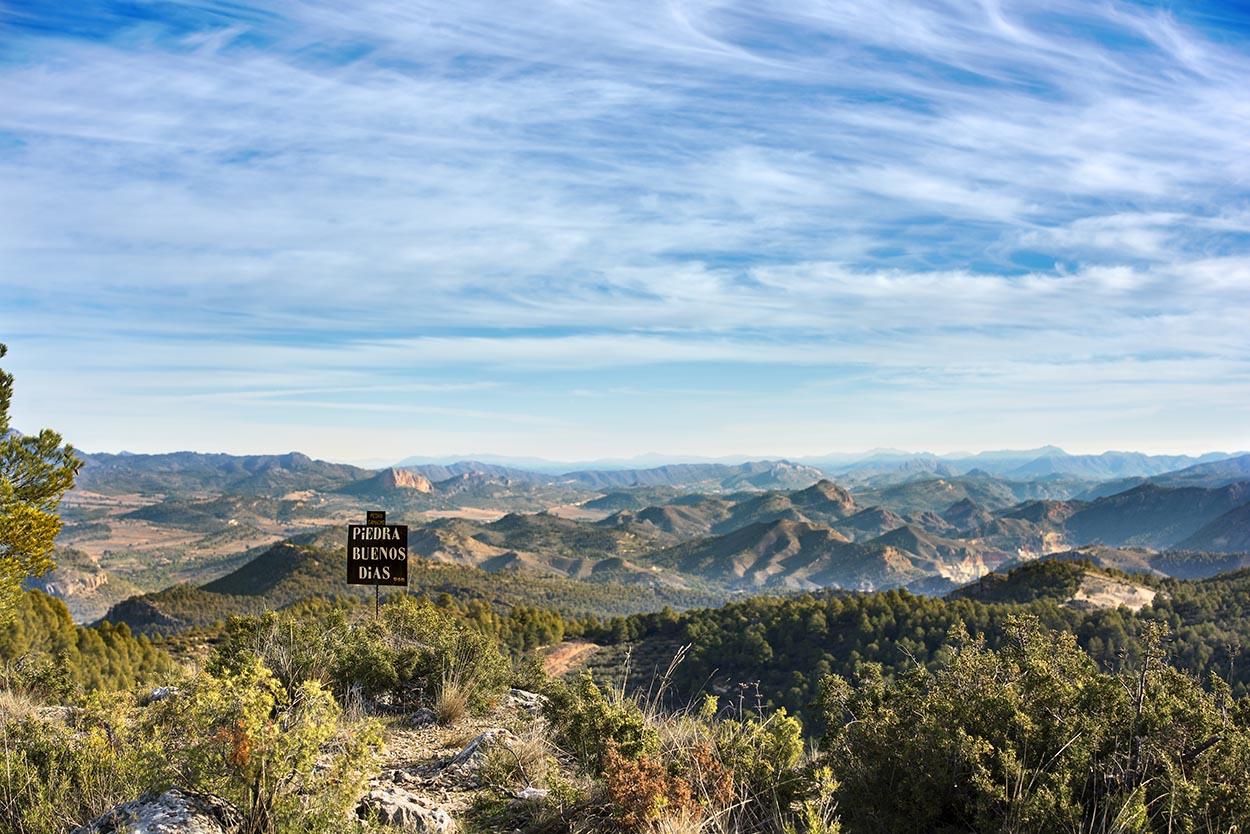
(35, 471)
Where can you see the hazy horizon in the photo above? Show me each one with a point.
(588, 230)
(653, 459)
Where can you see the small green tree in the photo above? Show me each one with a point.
(35, 471)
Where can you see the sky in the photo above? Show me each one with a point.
(572, 230)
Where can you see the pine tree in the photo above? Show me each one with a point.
(35, 471)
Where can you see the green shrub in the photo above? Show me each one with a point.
(1032, 737)
(431, 646)
(365, 664)
(529, 674)
(765, 755)
(282, 757)
(38, 676)
(58, 774)
(406, 656)
(588, 723)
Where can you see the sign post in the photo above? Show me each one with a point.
(377, 554)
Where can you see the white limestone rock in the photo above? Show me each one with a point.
(173, 812)
(402, 809)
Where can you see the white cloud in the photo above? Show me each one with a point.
(576, 187)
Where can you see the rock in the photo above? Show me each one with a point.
(160, 693)
(528, 702)
(173, 812)
(532, 793)
(397, 807)
(421, 718)
(474, 753)
(60, 713)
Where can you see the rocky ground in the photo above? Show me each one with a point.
(432, 774)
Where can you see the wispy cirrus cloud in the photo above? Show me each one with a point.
(1045, 196)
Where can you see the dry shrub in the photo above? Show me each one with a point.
(17, 706)
(711, 780)
(652, 797)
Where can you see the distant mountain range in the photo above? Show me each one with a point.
(265, 474)
(143, 522)
(1047, 462)
(889, 464)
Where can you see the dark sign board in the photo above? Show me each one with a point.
(377, 552)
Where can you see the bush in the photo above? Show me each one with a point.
(774, 787)
(280, 756)
(521, 762)
(59, 774)
(433, 648)
(1033, 738)
(588, 723)
(40, 677)
(528, 673)
(415, 654)
(646, 792)
(689, 771)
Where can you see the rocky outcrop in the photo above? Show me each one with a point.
(388, 482)
(69, 583)
(404, 479)
(394, 806)
(173, 812)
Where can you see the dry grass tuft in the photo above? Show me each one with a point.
(680, 824)
(525, 761)
(451, 705)
(16, 706)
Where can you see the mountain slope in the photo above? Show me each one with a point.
(1153, 516)
(1229, 533)
(1210, 474)
(195, 472)
(787, 553)
(766, 552)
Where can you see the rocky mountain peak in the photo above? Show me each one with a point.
(404, 479)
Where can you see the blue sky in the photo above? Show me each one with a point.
(581, 229)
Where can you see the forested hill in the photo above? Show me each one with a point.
(788, 644)
(42, 646)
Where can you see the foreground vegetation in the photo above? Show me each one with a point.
(277, 721)
(286, 717)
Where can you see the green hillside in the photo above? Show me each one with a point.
(43, 637)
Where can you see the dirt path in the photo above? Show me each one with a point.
(565, 657)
